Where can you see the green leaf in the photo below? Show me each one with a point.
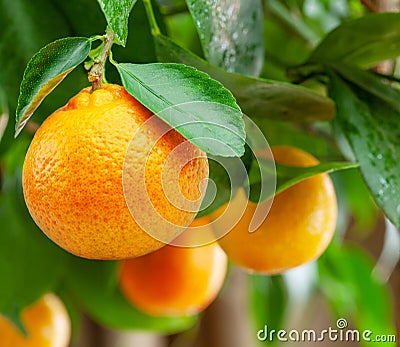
(45, 71)
(370, 126)
(140, 44)
(369, 82)
(231, 33)
(258, 98)
(94, 284)
(201, 109)
(268, 301)
(364, 41)
(290, 134)
(287, 176)
(348, 284)
(117, 16)
(293, 21)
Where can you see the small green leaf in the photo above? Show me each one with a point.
(258, 98)
(370, 126)
(231, 33)
(95, 286)
(287, 176)
(45, 71)
(200, 108)
(117, 16)
(364, 41)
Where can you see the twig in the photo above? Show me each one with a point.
(96, 72)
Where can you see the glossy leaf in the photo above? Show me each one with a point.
(370, 126)
(287, 176)
(200, 108)
(94, 284)
(231, 33)
(258, 98)
(117, 16)
(348, 284)
(45, 71)
(364, 41)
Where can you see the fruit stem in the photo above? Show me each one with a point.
(97, 71)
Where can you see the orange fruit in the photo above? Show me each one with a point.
(73, 176)
(46, 322)
(175, 281)
(297, 229)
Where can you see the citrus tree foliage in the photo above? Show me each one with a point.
(304, 75)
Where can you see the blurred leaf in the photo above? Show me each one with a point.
(74, 311)
(371, 83)
(286, 176)
(182, 30)
(278, 57)
(257, 97)
(45, 71)
(140, 44)
(268, 301)
(117, 16)
(346, 281)
(364, 41)
(293, 21)
(84, 17)
(370, 126)
(30, 264)
(231, 33)
(351, 186)
(201, 109)
(308, 139)
(94, 284)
